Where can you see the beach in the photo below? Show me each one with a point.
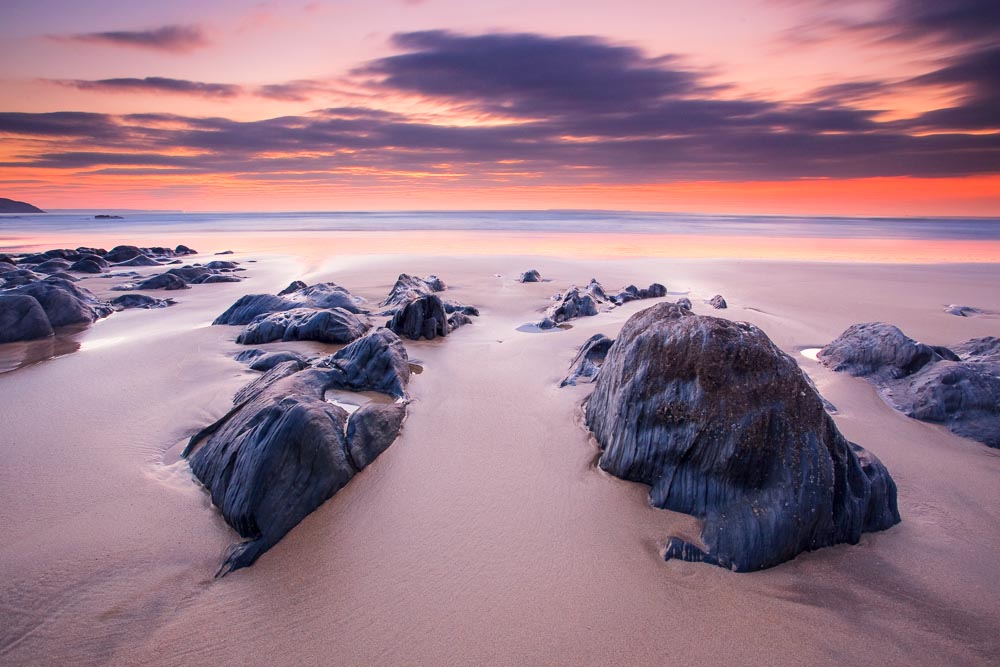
(485, 534)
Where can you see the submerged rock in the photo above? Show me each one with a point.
(22, 318)
(335, 325)
(717, 302)
(588, 360)
(126, 301)
(958, 388)
(283, 450)
(724, 426)
(532, 276)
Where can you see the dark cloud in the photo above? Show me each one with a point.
(585, 111)
(955, 21)
(291, 91)
(157, 84)
(174, 38)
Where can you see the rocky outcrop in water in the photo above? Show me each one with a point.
(588, 360)
(958, 388)
(424, 317)
(718, 302)
(724, 426)
(322, 296)
(283, 450)
(64, 302)
(633, 293)
(532, 276)
(126, 301)
(409, 288)
(587, 301)
(334, 325)
(22, 318)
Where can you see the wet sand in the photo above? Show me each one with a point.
(484, 535)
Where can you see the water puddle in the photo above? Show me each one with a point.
(352, 401)
(810, 353)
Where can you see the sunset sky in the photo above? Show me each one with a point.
(754, 106)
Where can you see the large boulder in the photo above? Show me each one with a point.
(423, 317)
(724, 426)
(958, 388)
(19, 277)
(322, 295)
(283, 449)
(165, 281)
(408, 288)
(122, 253)
(64, 302)
(718, 302)
(335, 325)
(90, 264)
(22, 318)
(531, 276)
(375, 362)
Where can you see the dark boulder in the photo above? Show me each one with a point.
(588, 360)
(218, 278)
(64, 302)
(219, 264)
(165, 281)
(717, 302)
(532, 276)
(684, 302)
(283, 450)
(375, 362)
(225, 252)
(19, 277)
(577, 302)
(191, 274)
(122, 253)
(724, 426)
(63, 253)
(322, 295)
(65, 276)
(53, 266)
(91, 251)
(6, 267)
(408, 288)
(266, 361)
(22, 318)
(958, 388)
(455, 307)
(335, 325)
(90, 264)
(184, 250)
(293, 286)
(424, 317)
(126, 301)
(371, 429)
(139, 260)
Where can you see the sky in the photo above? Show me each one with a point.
(816, 107)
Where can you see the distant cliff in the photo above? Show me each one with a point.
(11, 206)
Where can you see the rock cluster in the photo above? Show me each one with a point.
(418, 312)
(724, 426)
(587, 301)
(283, 450)
(957, 387)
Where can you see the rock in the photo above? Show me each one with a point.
(335, 325)
(53, 266)
(962, 311)
(684, 302)
(225, 252)
(930, 383)
(65, 303)
(126, 301)
(139, 260)
(322, 295)
(266, 361)
(184, 250)
(717, 302)
(90, 264)
(576, 303)
(19, 277)
(22, 318)
(408, 288)
(424, 317)
(283, 450)
(64, 253)
(219, 264)
(165, 281)
(293, 286)
(532, 276)
(588, 360)
(122, 253)
(458, 319)
(65, 276)
(6, 267)
(371, 429)
(546, 323)
(374, 362)
(654, 291)
(724, 426)
(191, 274)
(455, 307)
(90, 251)
(210, 280)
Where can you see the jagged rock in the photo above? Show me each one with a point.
(424, 317)
(65, 303)
(335, 325)
(266, 361)
(323, 295)
(165, 281)
(588, 360)
(684, 302)
(22, 318)
(375, 362)
(283, 450)
(53, 266)
(184, 250)
(293, 286)
(126, 301)
(724, 426)
(371, 429)
(409, 288)
(577, 302)
(455, 307)
(458, 319)
(139, 260)
(122, 253)
(930, 383)
(717, 302)
(532, 276)
(90, 264)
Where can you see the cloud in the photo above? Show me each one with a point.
(172, 38)
(157, 84)
(575, 110)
